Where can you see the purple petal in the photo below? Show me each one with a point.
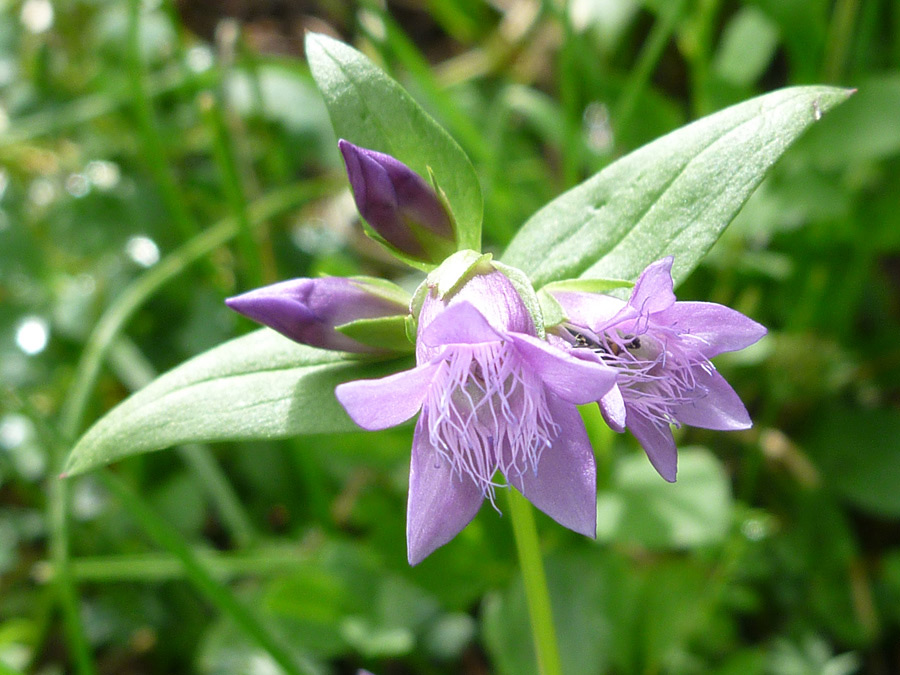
(565, 483)
(653, 291)
(572, 379)
(459, 323)
(612, 406)
(720, 408)
(388, 401)
(591, 310)
(656, 439)
(716, 328)
(441, 503)
(494, 295)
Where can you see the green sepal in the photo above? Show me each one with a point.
(417, 263)
(383, 288)
(387, 332)
(522, 284)
(442, 197)
(588, 285)
(456, 270)
(552, 311)
(411, 325)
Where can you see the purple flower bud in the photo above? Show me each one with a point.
(494, 398)
(309, 310)
(398, 204)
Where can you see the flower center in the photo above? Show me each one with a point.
(486, 413)
(656, 371)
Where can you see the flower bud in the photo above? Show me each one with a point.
(399, 205)
(313, 311)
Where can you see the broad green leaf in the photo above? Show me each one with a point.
(671, 197)
(642, 508)
(372, 110)
(258, 386)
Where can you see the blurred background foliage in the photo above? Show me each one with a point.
(159, 156)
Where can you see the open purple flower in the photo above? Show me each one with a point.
(494, 398)
(661, 350)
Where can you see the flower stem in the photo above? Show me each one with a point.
(536, 592)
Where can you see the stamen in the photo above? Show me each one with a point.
(486, 412)
(656, 368)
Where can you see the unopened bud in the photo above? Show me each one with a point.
(399, 205)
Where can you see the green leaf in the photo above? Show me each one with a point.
(642, 508)
(671, 197)
(258, 386)
(371, 110)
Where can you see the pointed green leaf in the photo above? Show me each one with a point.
(671, 197)
(258, 386)
(371, 110)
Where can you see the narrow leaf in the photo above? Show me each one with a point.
(258, 386)
(671, 197)
(371, 110)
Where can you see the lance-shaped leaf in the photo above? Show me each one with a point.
(258, 386)
(671, 197)
(371, 110)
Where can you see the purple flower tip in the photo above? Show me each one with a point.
(309, 310)
(661, 351)
(399, 205)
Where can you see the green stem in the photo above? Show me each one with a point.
(271, 560)
(136, 371)
(216, 592)
(647, 60)
(65, 590)
(840, 35)
(232, 187)
(536, 591)
(152, 142)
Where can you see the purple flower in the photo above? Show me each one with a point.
(399, 205)
(494, 398)
(661, 350)
(310, 310)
